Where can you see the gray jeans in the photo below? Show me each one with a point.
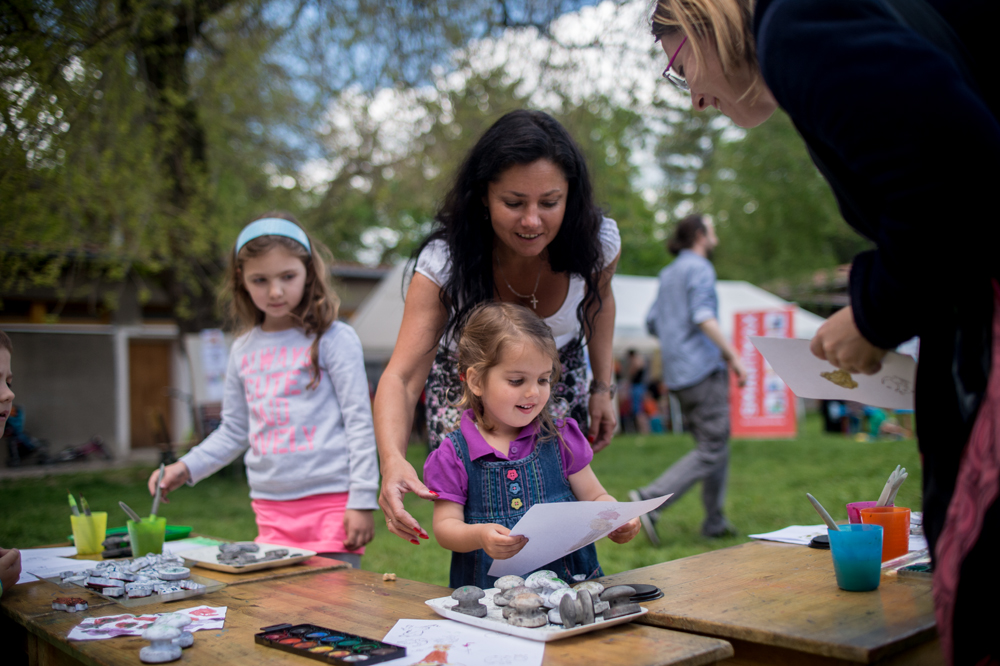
(705, 407)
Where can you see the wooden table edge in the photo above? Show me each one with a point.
(802, 645)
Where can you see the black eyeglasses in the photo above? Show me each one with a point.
(677, 81)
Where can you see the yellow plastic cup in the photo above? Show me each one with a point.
(88, 532)
(146, 536)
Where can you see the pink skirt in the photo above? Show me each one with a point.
(314, 523)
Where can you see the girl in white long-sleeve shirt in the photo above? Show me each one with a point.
(296, 400)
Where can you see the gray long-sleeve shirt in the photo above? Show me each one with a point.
(298, 441)
(686, 298)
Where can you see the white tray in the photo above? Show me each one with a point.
(208, 558)
(494, 620)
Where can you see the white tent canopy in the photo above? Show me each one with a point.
(378, 319)
(635, 294)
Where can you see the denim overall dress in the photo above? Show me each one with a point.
(501, 491)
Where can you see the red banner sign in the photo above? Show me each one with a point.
(765, 406)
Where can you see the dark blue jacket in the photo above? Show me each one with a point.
(911, 148)
(915, 147)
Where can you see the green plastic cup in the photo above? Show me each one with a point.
(88, 532)
(146, 536)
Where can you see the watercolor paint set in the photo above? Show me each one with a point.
(327, 645)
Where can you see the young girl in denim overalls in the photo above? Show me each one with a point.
(508, 454)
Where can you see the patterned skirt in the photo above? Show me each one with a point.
(444, 390)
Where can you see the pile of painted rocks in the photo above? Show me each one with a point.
(136, 578)
(544, 598)
(242, 553)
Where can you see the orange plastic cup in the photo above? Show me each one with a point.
(895, 521)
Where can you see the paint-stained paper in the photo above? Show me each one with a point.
(203, 618)
(558, 529)
(446, 642)
(810, 377)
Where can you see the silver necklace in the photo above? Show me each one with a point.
(534, 301)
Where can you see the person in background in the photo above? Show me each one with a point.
(297, 394)
(10, 558)
(898, 103)
(685, 317)
(637, 385)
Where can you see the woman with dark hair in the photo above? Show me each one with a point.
(519, 225)
(898, 104)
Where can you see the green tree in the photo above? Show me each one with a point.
(776, 214)
(398, 190)
(137, 135)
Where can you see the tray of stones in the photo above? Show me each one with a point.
(140, 581)
(494, 620)
(245, 556)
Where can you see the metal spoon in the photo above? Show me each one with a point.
(823, 513)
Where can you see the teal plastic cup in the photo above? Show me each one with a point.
(857, 556)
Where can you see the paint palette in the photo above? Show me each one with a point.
(327, 645)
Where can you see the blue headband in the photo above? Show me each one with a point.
(272, 226)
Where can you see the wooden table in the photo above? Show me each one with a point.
(779, 604)
(349, 599)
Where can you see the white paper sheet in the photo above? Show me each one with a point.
(891, 387)
(47, 562)
(803, 534)
(558, 529)
(447, 642)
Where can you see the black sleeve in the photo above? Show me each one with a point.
(920, 146)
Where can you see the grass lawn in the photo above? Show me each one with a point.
(767, 485)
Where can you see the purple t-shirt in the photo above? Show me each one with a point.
(445, 474)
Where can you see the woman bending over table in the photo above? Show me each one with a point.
(897, 101)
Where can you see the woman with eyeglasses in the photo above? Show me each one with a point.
(896, 101)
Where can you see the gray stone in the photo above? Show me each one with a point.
(468, 597)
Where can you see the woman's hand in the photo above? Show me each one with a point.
(840, 342)
(174, 476)
(602, 420)
(498, 543)
(359, 524)
(626, 532)
(399, 478)
(10, 567)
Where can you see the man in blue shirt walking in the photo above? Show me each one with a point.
(685, 317)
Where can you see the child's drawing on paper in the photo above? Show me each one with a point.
(431, 643)
(599, 527)
(436, 657)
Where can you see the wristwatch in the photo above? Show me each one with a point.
(602, 387)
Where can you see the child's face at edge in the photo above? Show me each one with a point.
(515, 391)
(275, 281)
(6, 394)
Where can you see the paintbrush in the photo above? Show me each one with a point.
(72, 505)
(84, 505)
(131, 514)
(896, 486)
(884, 497)
(156, 495)
(823, 513)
